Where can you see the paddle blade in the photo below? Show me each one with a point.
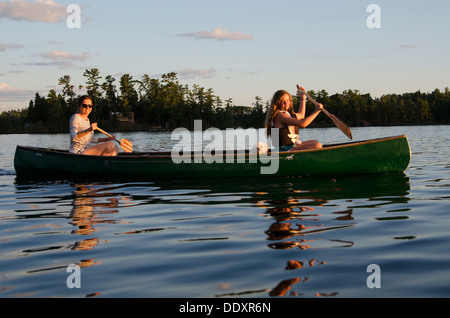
(126, 145)
(341, 125)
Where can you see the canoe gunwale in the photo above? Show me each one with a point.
(167, 154)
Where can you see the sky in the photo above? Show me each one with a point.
(239, 49)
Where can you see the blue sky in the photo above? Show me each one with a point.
(240, 49)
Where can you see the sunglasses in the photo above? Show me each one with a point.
(86, 106)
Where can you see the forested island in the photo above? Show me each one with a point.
(164, 104)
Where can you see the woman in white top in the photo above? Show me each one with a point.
(82, 133)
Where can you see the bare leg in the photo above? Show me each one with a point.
(103, 149)
(309, 144)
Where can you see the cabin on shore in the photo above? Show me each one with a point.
(363, 123)
(123, 117)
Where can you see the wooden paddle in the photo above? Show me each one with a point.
(126, 145)
(339, 123)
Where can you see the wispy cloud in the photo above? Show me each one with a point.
(65, 56)
(59, 64)
(219, 34)
(189, 73)
(16, 72)
(409, 46)
(61, 59)
(40, 10)
(5, 46)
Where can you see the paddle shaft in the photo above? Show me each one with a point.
(126, 145)
(104, 132)
(312, 100)
(315, 103)
(339, 123)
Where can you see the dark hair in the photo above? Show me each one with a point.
(82, 98)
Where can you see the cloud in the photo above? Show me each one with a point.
(219, 34)
(4, 46)
(189, 73)
(409, 46)
(65, 56)
(16, 72)
(6, 88)
(60, 64)
(40, 10)
(11, 94)
(61, 59)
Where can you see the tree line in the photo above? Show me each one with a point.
(161, 103)
(358, 109)
(165, 103)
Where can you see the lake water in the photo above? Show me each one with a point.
(259, 238)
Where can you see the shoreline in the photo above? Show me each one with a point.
(158, 130)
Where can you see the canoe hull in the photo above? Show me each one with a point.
(372, 156)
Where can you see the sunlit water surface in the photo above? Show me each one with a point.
(285, 237)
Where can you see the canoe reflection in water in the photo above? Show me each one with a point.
(307, 215)
(305, 221)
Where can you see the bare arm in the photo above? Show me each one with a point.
(83, 133)
(302, 107)
(286, 119)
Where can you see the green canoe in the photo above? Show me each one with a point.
(390, 154)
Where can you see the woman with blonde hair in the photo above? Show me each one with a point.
(281, 115)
